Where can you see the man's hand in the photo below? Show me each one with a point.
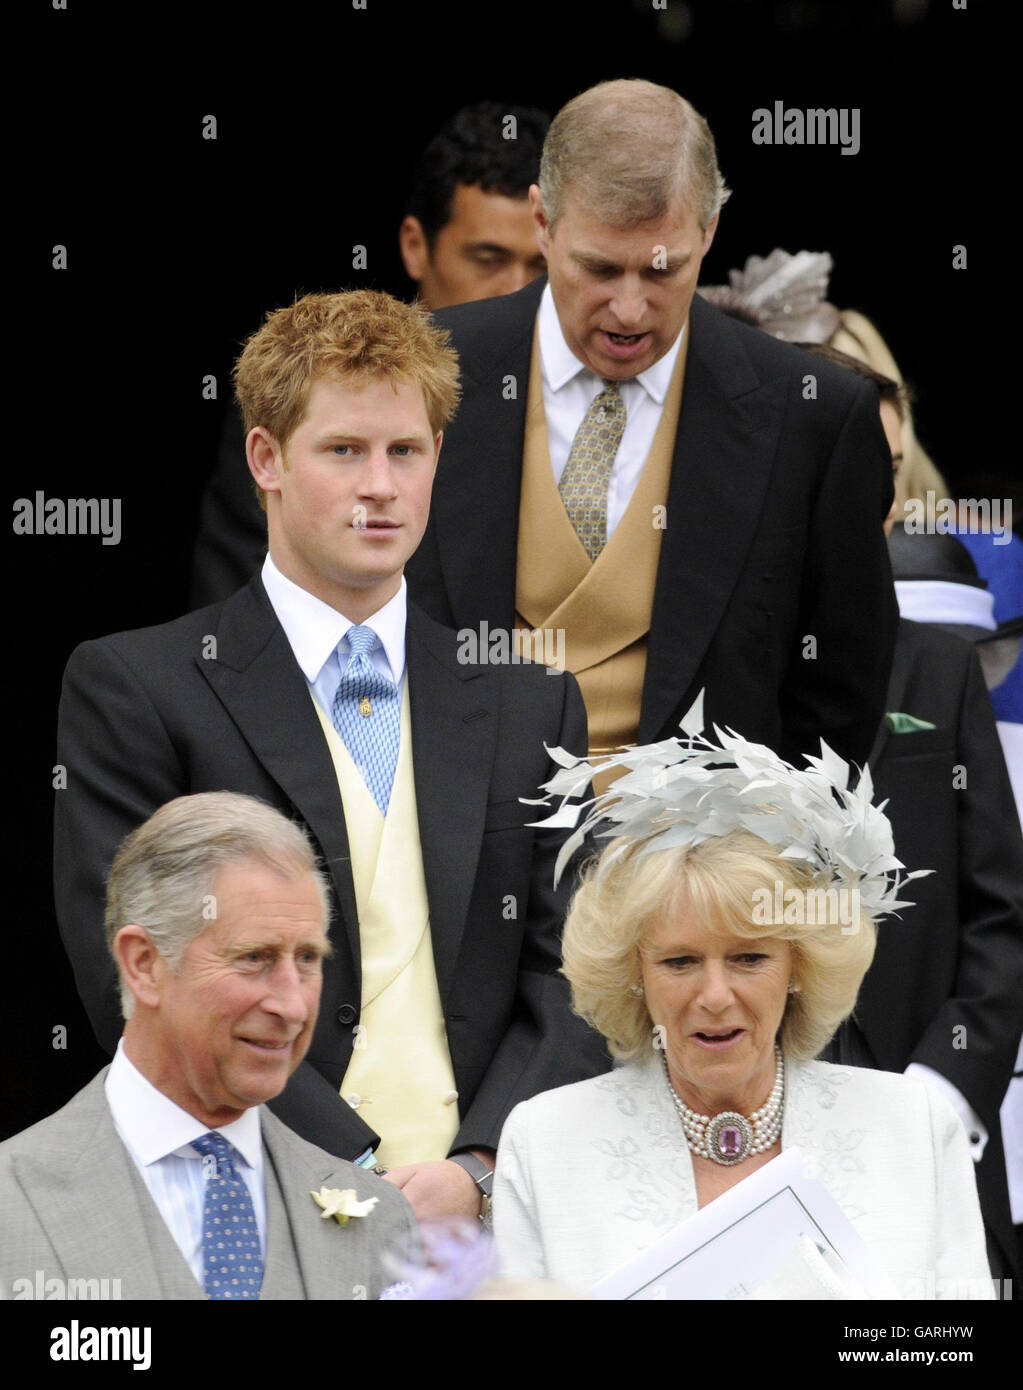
(438, 1191)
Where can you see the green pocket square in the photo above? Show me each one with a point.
(907, 724)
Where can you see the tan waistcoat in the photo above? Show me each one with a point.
(604, 607)
(400, 1078)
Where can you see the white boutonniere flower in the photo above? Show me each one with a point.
(342, 1204)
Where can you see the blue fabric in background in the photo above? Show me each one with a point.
(1002, 567)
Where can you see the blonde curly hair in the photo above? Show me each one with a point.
(623, 893)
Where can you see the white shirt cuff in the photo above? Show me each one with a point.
(975, 1131)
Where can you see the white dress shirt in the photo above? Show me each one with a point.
(158, 1135)
(315, 631)
(569, 389)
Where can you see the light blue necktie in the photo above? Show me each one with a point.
(231, 1258)
(367, 715)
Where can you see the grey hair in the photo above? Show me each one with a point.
(627, 150)
(166, 868)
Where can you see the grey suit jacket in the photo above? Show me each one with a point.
(74, 1207)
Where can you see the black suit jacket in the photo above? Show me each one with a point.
(946, 985)
(773, 590)
(149, 715)
(231, 540)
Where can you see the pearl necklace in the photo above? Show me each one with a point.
(729, 1137)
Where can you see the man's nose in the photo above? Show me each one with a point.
(629, 304)
(287, 996)
(377, 477)
(516, 277)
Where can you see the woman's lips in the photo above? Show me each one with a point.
(718, 1040)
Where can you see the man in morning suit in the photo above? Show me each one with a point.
(216, 918)
(656, 480)
(319, 689)
(943, 998)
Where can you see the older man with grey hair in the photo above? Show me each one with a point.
(166, 1176)
(691, 503)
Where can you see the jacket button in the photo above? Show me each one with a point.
(346, 1013)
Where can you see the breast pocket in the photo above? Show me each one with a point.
(920, 743)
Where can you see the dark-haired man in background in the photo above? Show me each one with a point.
(467, 234)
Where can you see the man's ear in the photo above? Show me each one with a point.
(265, 458)
(141, 965)
(708, 235)
(540, 223)
(413, 246)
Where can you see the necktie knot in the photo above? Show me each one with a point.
(362, 641)
(212, 1143)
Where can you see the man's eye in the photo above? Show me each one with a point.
(341, 449)
(402, 450)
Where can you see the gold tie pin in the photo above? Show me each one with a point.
(365, 708)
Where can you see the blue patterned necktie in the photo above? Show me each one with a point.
(367, 715)
(231, 1258)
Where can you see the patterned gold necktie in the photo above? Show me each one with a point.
(583, 485)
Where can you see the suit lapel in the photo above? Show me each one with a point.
(897, 681)
(256, 678)
(454, 727)
(315, 1241)
(74, 1193)
(727, 436)
(476, 505)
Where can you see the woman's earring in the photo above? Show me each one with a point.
(637, 990)
(794, 988)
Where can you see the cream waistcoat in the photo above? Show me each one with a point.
(603, 608)
(400, 1078)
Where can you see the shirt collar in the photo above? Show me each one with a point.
(314, 629)
(152, 1125)
(560, 364)
(944, 601)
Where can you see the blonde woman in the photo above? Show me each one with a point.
(717, 943)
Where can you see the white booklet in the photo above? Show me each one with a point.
(743, 1237)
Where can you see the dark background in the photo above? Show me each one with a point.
(177, 245)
